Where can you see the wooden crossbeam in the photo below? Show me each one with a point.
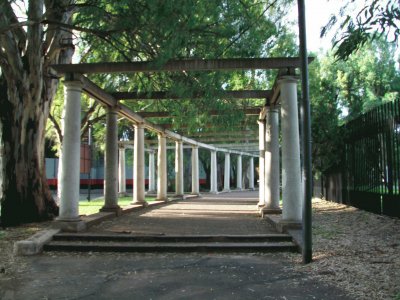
(223, 133)
(166, 95)
(251, 111)
(182, 65)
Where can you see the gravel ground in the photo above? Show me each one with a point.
(354, 250)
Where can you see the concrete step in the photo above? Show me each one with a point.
(104, 237)
(101, 246)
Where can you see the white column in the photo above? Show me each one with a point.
(195, 170)
(261, 163)
(251, 173)
(111, 162)
(227, 172)
(152, 187)
(178, 168)
(291, 176)
(239, 173)
(272, 172)
(138, 166)
(121, 171)
(162, 168)
(69, 194)
(213, 175)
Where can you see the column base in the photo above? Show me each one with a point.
(162, 199)
(226, 190)
(285, 225)
(178, 197)
(271, 211)
(116, 209)
(151, 192)
(122, 194)
(213, 192)
(195, 194)
(260, 205)
(143, 203)
(76, 225)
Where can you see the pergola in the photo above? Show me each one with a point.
(281, 99)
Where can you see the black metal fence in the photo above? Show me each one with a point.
(369, 175)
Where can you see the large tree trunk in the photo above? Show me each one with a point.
(26, 93)
(26, 196)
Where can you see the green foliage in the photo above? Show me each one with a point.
(376, 19)
(342, 90)
(162, 30)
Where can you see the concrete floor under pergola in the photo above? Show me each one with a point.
(281, 99)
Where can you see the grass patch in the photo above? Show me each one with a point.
(92, 207)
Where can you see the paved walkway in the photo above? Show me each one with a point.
(174, 275)
(223, 214)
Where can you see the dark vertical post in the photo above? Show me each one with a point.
(89, 187)
(307, 206)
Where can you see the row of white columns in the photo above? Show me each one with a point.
(162, 192)
(269, 156)
(70, 171)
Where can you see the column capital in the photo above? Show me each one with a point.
(75, 85)
(138, 125)
(288, 79)
(273, 109)
(112, 109)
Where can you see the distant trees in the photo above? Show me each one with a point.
(342, 90)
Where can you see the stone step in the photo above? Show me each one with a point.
(118, 237)
(96, 246)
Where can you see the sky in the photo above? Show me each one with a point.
(318, 13)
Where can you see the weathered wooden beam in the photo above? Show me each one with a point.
(182, 65)
(164, 95)
(251, 111)
(106, 99)
(221, 139)
(240, 126)
(223, 133)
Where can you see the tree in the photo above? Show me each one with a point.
(376, 19)
(27, 89)
(343, 90)
(124, 31)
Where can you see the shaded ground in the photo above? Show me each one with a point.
(233, 213)
(356, 253)
(168, 276)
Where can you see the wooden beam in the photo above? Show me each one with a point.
(100, 95)
(240, 126)
(251, 111)
(182, 65)
(166, 95)
(223, 133)
(228, 139)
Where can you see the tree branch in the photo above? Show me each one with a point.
(57, 127)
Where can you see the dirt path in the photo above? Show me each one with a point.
(233, 213)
